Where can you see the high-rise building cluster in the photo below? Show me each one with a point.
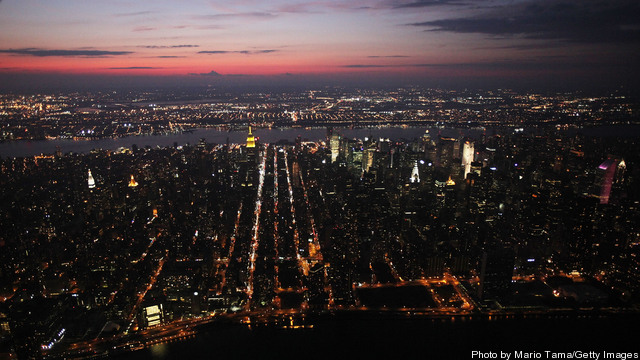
(112, 243)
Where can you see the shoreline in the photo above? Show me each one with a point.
(219, 135)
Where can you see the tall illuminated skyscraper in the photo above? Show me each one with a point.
(251, 148)
(90, 181)
(620, 171)
(607, 174)
(251, 140)
(467, 157)
(415, 176)
(367, 159)
(334, 145)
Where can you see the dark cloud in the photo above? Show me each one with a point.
(168, 46)
(425, 3)
(363, 66)
(214, 73)
(246, 52)
(536, 46)
(211, 73)
(134, 68)
(79, 53)
(458, 65)
(491, 65)
(216, 52)
(587, 21)
(546, 63)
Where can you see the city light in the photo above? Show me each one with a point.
(137, 246)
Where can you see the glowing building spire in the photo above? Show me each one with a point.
(251, 141)
(91, 182)
(133, 182)
(415, 177)
(450, 181)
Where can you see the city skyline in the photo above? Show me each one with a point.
(140, 251)
(136, 223)
(437, 179)
(551, 44)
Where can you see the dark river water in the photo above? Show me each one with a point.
(31, 148)
(372, 336)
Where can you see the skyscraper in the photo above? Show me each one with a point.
(251, 140)
(496, 271)
(334, 145)
(620, 171)
(251, 150)
(467, 157)
(607, 171)
(415, 176)
(133, 182)
(248, 163)
(90, 181)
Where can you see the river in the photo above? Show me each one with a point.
(25, 148)
(358, 335)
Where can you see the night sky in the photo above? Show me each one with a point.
(542, 44)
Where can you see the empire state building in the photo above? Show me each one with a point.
(251, 140)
